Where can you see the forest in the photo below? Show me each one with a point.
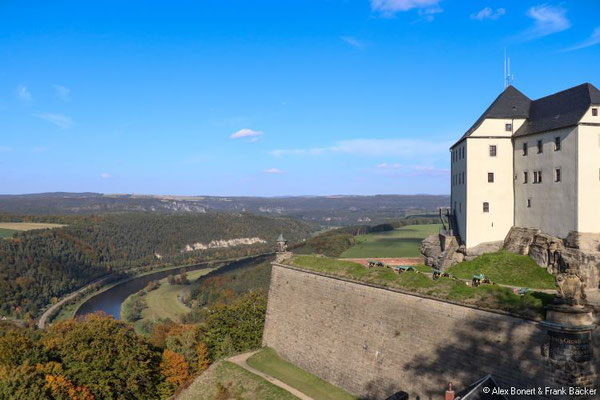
(36, 267)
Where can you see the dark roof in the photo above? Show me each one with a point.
(476, 390)
(559, 110)
(511, 103)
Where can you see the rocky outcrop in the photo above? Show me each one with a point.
(584, 241)
(215, 244)
(483, 248)
(519, 239)
(441, 251)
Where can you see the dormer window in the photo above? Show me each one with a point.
(508, 127)
(594, 112)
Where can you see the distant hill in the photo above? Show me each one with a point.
(324, 210)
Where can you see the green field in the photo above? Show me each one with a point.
(164, 302)
(4, 233)
(270, 363)
(401, 242)
(225, 380)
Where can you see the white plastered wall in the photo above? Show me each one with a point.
(588, 219)
(553, 204)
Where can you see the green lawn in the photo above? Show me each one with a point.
(506, 268)
(4, 233)
(225, 380)
(164, 302)
(269, 362)
(530, 305)
(401, 242)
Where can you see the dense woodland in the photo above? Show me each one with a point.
(37, 266)
(97, 357)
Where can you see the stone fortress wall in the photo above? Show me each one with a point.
(374, 342)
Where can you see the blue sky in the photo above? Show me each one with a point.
(267, 97)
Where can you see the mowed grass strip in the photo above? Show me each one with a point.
(506, 268)
(225, 380)
(401, 242)
(269, 362)
(530, 305)
(28, 226)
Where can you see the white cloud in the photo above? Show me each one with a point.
(5, 149)
(23, 93)
(488, 13)
(389, 8)
(272, 171)
(546, 21)
(354, 42)
(105, 175)
(375, 148)
(62, 92)
(593, 40)
(250, 134)
(60, 120)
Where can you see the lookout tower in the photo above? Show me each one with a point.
(281, 244)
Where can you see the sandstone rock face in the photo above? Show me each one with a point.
(483, 248)
(431, 249)
(519, 239)
(584, 241)
(441, 251)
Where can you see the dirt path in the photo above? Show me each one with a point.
(241, 359)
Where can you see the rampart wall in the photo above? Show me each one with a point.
(374, 342)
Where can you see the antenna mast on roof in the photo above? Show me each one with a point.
(508, 78)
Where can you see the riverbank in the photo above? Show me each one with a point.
(61, 310)
(161, 301)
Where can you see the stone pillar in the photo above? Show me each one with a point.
(568, 349)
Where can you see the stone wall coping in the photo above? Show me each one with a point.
(409, 293)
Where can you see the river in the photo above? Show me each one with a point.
(110, 301)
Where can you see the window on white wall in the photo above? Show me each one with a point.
(540, 146)
(557, 176)
(537, 176)
(594, 112)
(490, 177)
(557, 143)
(525, 148)
(525, 177)
(528, 203)
(486, 207)
(508, 127)
(492, 150)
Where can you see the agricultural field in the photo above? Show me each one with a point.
(7, 229)
(401, 242)
(269, 362)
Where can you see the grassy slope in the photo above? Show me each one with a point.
(4, 233)
(506, 268)
(493, 297)
(401, 242)
(164, 303)
(270, 363)
(239, 384)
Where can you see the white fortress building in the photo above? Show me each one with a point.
(529, 163)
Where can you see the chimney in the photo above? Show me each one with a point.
(449, 392)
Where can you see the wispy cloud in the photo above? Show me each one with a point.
(272, 171)
(593, 40)
(23, 93)
(396, 169)
(389, 8)
(105, 175)
(62, 92)
(374, 148)
(354, 42)
(488, 13)
(248, 134)
(60, 120)
(5, 149)
(547, 20)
